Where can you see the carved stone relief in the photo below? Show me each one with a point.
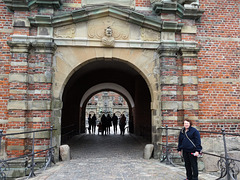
(120, 29)
(44, 31)
(65, 32)
(108, 40)
(149, 35)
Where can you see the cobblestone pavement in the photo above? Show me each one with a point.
(112, 157)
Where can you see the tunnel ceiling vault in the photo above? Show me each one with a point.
(101, 71)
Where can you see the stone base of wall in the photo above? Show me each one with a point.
(19, 169)
(215, 146)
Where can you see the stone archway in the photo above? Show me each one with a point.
(148, 60)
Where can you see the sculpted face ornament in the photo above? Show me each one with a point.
(108, 32)
(108, 40)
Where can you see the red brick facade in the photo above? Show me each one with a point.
(218, 65)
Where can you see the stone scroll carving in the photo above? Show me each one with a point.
(120, 30)
(65, 32)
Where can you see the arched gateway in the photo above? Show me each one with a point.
(66, 55)
(126, 71)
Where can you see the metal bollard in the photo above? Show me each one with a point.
(31, 174)
(50, 163)
(1, 134)
(167, 149)
(226, 154)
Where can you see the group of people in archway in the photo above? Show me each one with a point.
(106, 123)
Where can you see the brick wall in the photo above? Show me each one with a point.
(143, 3)
(219, 65)
(5, 58)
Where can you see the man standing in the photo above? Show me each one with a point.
(122, 124)
(89, 123)
(94, 123)
(115, 122)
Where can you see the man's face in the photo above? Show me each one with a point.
(186, 124)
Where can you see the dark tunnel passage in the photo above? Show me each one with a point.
(105, 71)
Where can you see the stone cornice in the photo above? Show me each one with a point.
(171, 26)
(164, 7)
(192, 14)
(84, 42)
(21, 5)
(84, 15)
(188, 12)
(40, 20)
(19, 46)
(25, 46)
(25, 5)
(173, 48)
(190, 51)
(44, 47)
(56, 4)
(168, 51)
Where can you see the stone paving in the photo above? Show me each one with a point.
(112, 157)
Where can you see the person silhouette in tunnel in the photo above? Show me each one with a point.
(122, 124)
(94, 123)
(104, 124)
(109, 123)
(99, 127)
(89, 123)
(115, 122)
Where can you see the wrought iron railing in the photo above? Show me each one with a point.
(227, 166)
(68, 132)
(49, 155)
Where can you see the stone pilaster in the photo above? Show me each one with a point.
(171, 84)
(18, 97)
(30, 103)
(44, 110)
(178, 60)
(190, 83)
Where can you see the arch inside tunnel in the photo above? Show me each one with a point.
(107, 86)
(107, 101)
(96, 76)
